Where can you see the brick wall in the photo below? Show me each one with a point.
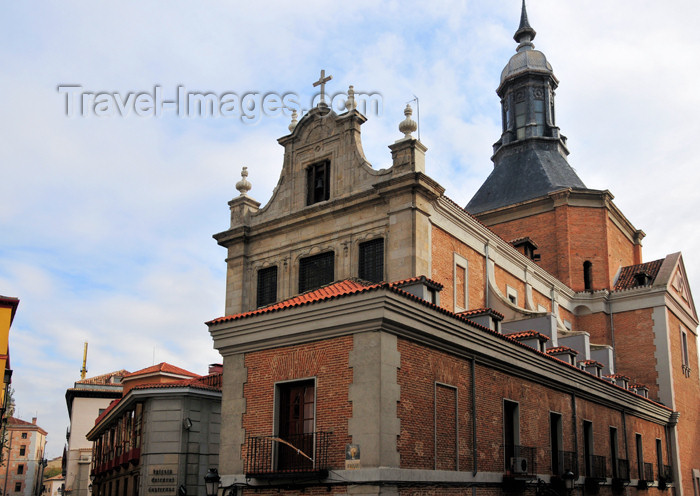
(686, 394)
(327, 361)
(421, 368)
(597, 325)
(635, 349)
(444, 246)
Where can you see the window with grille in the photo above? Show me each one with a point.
(316, 271)
(22, 451)
(372, 260)
(20, 469)
(318, 182)
(267, 286)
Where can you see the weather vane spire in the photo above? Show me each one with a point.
(525, 34)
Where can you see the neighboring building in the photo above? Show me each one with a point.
(161, 436)
(86, 400)
(525, 343)
(23, 458)
(53, 486)
(8, 308)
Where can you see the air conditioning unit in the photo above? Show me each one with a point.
(519, 465)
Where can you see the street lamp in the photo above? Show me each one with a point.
(569, 478)
(211, 481)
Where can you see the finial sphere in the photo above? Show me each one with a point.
(244, 185)
(408, 125)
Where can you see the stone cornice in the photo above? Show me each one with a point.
(136, 395)
(385, 310)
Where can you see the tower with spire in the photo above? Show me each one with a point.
(534, 193)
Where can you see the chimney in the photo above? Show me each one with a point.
(215, 368)
(34, 420)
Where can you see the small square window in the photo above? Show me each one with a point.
(316, 271)
(24, 435)
(512, 294)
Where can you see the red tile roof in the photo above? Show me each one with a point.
(561, 349)
(162, 367)
(104, 378)
(590, 362)
(626, 279)
(528, 334)
(16, 421)
(482, 311)
(618, 376)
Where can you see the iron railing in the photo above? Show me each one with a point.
(667, 473)
(596, 467)
(648, 472)
(295, 454)
(520, 461)
(563, 462)
(623, 470)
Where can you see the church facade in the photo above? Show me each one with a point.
(378, 338)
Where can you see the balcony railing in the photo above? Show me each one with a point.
(596, 467)
(666, 473)
(564, 462)
(648, 472)
(270, 456)
(520, 461)
(623, 470)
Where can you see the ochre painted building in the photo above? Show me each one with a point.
(521, 344)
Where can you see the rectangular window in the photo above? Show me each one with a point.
(318, 183)
(316, 271)
(512, 294)
(660, 458)
(684, 353)
(267, 286)
(20, 469)
(520, 109)
(18, 487)
(460, 274)
(511, 433)
(24, 435)
(614, 452)
(555, 442)
(588, 447)
(640, 457)
(539, 116)
(296, 411)
(371, 265)
(22, 450)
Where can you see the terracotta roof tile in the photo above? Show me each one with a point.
(561, 349)
(104, 378)
(353, 286)
(162, 367)
(590, 362)
(481, 311)
(626, 279)
(528, 334)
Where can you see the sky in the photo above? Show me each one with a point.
(106, 215)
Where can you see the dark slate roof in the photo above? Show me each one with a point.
(626, 279)
(523, 173)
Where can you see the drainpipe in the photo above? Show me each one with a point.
(474, 450)
(575, 420)
(612, 332)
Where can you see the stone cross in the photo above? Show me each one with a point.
(322, 82)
